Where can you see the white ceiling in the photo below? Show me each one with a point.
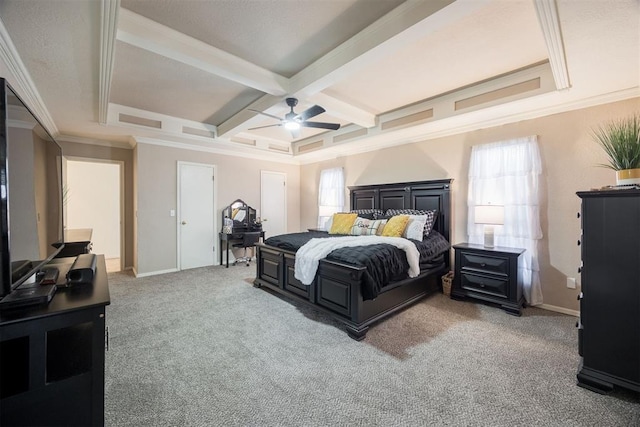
(389, 71)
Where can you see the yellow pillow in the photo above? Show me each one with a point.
(395, 226)
(342, 223)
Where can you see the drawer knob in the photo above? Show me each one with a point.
(482, 264)
(578, 215)
(579, 269)
(579, 242)
(482, 285)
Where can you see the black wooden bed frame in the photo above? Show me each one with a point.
(336, 288)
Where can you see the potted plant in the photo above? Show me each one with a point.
(620, 140)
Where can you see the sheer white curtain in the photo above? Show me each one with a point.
(507, 173)
(330, 194)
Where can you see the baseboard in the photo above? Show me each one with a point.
(154, 273)
(575, 313)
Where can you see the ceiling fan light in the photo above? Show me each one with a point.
(291, 125)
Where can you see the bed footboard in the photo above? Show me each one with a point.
(337, 289)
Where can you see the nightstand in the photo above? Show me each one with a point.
(488, 274)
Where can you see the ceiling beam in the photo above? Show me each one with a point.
(547, 12)
(343, 110)
(108, 30)
(144, 33)
(245, 119)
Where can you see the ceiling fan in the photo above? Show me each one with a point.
(294, 121)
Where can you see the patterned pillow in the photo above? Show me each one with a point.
(342, 223)
(415, 227)
(395, 226)
(368, 213)
(431, 217)
(365, 227)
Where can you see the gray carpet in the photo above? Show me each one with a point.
(205, 348)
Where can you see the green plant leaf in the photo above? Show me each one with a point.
(620, 140)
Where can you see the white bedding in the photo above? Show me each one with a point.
(310, 254)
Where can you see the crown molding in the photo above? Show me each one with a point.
(236, 151)
(127, 145)
(25, 85)
(108, 31)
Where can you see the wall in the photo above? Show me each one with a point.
(569, 156)
(97, 152)
(156, 196)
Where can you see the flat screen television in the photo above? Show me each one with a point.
(31, 192)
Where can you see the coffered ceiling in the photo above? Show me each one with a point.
(187, 73)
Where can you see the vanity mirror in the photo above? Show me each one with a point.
(242, 215)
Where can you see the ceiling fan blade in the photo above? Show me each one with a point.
(310, 112)
(321, 125)
(267, 126)
(265, 114)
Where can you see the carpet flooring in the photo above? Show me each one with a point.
(203, 347)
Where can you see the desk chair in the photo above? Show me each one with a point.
(249, 240)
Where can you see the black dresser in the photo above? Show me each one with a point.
(609, 326)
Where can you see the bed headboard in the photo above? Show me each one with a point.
(425, 195)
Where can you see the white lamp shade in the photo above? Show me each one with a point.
(489, 214)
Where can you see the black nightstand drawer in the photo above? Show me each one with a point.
(492, 285)
(489, 264)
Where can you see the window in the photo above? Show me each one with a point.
(507, 173)
(330, 194)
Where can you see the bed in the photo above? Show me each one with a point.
(343, 287)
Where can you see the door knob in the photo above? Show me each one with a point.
(184, 222)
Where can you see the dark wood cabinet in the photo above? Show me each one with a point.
(488, 274)
(52, 363)
(609, 326)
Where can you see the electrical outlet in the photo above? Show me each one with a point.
(571, 282)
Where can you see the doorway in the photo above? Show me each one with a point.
(196, 215)
(273, 202)
(93, 198)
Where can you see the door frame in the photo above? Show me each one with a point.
(216, 240)
(120, 164)
(284, 210)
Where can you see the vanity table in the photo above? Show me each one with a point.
(244, 219)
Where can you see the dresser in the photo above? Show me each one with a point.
(488, 274)
(609, 325)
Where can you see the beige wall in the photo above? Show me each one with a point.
(88, 151)
(569, 157)
(156, 195)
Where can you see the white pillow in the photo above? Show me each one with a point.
(328, 224)
(415, 227)
(366, 227)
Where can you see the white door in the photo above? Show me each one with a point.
(196, 219)
(273, 202)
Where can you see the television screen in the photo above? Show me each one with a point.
(34, 192)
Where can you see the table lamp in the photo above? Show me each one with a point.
(489, 215)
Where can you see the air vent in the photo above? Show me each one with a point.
(350, 135)
(198, 132)
(140, 121)
(280, 148)
(411, 119)
(498, 94)
(245, 141)
(309, 147)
